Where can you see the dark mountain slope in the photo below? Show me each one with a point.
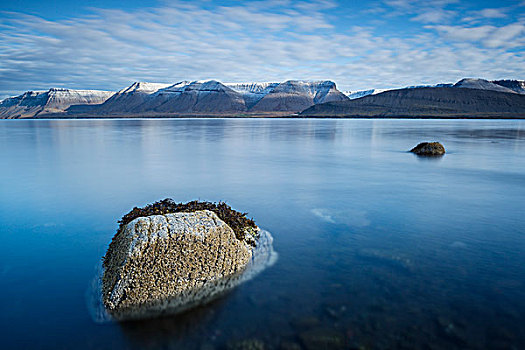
(437, 102)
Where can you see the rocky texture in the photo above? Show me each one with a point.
(438, 102)
(40, 103)
(169, 263)
(429, 149)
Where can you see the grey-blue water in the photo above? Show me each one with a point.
(377, 248)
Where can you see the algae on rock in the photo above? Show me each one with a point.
(238, 221)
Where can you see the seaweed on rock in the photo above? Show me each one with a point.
(238, 221)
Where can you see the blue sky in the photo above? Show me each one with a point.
(107, 44)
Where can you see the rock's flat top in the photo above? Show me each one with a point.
(429, 149)
(155, 258)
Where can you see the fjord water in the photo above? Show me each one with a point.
(377, 248)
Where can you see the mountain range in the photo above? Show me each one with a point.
(466, 98)
(186, 98)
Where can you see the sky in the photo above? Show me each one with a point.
(107, 45)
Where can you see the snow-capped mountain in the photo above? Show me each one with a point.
(33, 103)
(295, 96)
(194, 97)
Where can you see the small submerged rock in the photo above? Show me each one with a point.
(290, 345)
(322, 338)
(429, 149)
(246, 344)
(169, 257)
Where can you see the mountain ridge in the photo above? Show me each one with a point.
(212, 98)
(426, 102)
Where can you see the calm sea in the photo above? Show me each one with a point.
(377, 248)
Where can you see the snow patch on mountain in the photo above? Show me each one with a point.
(147, 88)
(251, 88)
(362, 93)
(198, 86)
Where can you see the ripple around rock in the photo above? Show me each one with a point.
(262, 256)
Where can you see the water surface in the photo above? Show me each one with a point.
(377, 248)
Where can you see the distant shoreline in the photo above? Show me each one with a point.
(54, 117)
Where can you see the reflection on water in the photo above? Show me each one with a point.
(171, 331)
(378, 248)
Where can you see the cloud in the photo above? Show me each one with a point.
(486, 14)
(412, 4)
(434, 16)
(431, 11)
(492, 13)
(464, 33)
(510, 36)
(253, 41)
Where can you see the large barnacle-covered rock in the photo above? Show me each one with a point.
(173, 260)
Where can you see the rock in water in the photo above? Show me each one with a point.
(429, 149)
(168, 263)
